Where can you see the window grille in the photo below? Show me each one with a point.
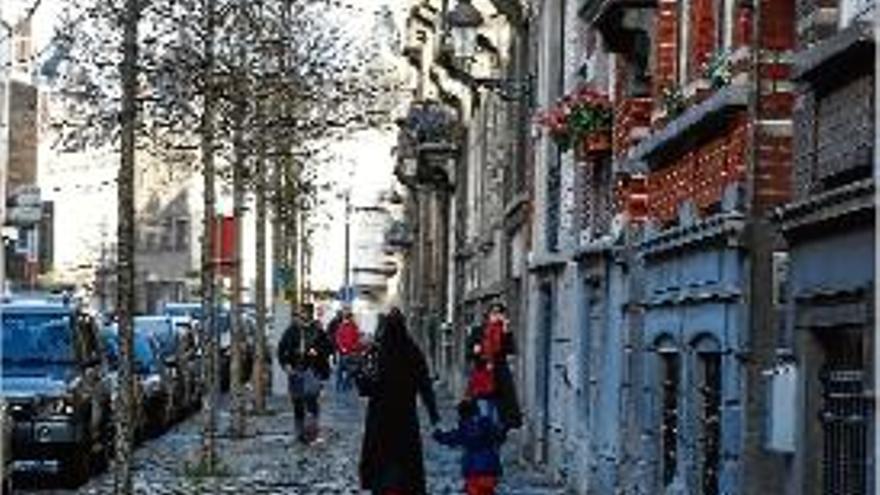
(670, 376)
(845, 418)
(710, 419)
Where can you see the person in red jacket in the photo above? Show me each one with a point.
(496, 344)
(348, 345)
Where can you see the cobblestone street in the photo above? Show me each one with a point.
(270, 462)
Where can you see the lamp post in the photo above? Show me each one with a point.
(464, 22)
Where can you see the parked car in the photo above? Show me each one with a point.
(55, 382)
(6, 448)
(222, 328)
(161, 328)
(156, 383)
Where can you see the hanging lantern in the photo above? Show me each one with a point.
(464, 21)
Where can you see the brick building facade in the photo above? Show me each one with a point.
(664, 272)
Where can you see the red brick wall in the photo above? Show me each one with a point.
(702, 29)
(742, 33)
(629, 113)
(665, 45)
(777, 24)
(773, 174)
(700, 174)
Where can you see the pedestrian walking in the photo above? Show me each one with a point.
(479, 434)
(391, 455)
(348, 347)
(495, 344)
(303, 353)
(332, 328)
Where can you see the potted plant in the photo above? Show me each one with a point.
(673, 101)
(582, 119)
(717, 69)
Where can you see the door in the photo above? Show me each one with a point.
(845, 416)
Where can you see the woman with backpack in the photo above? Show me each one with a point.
(391, 460)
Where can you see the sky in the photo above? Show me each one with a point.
(365, 164)
(362, 162)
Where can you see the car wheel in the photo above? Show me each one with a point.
(77, 467)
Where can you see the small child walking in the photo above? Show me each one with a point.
(479, 434)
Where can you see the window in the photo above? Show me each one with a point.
(710, 421)
(669, 382)
(181, 235)
(167, 234)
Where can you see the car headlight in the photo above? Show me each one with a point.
(60, 406)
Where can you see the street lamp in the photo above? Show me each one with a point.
(464, 21)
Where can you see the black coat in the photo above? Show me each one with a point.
(391, 454)
(291, 344)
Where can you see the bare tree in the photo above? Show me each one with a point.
(125, 183)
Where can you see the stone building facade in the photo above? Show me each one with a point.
(829, 231)
(461, 157)
(678, 280)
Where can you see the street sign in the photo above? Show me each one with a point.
(23, 215)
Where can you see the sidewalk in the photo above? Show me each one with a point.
(269, 461)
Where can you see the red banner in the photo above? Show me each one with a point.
(223, 235)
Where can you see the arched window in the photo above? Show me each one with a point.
(708, 370)
(670, 377)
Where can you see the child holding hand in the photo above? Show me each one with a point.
(479, 435)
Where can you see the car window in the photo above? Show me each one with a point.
(111, 348)
(144, 355)
(37, 339)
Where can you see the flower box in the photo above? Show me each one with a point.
(595, 142)
(577, 116)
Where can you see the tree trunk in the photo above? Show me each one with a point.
(260, 371)
(125, 283)
(292, 230)
(210, 357)
(238, 165)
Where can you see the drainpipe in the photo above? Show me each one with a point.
(4, 145)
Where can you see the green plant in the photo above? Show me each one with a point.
(673, 100)
(717, 69)
(577, 115)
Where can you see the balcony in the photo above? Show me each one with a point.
(428, 144)
(398, 237)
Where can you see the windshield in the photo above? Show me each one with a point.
(160, 328)
(37, 339)
(144, 357)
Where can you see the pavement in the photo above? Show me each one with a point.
(269, 461)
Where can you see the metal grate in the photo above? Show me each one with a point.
(710, 438)
(845, 417)
(669, 419)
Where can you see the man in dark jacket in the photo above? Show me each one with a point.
(303, 354)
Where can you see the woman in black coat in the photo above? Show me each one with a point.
(391, 455)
